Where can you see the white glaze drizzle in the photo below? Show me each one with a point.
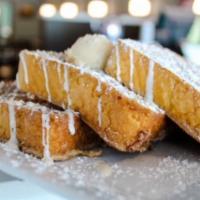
(168, 60)
(71, 123)
(98, 88)
(118, 64)
(100, 111)
(59, 72)
(25, 66)
(132, 61)
(44, 67)
(150, 82)
(13, 137)
(99, 105)
(66, 85)
(17, 81)
(46, 137)
(104, 78)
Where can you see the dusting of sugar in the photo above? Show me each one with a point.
(104, 78)
(150, 82)
(113, 175)
(118, 63)
(15, 163)
(44, 67)
(25, 66)
(132, 61)
(13, 138)
(185, 70)
(105, 169)
(14, 97)
(46, 138)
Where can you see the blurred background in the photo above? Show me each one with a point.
(56, 24)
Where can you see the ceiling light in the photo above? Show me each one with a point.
(97, 8)
(69, 10)
(47, 10)
(114, 31)
(139, 8)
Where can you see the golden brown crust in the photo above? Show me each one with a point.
(29, 134)
(29, 131)
(180, 100)
(4, 123)
(68, 155)
(126, 124)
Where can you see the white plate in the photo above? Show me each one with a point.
(21, 190)
(171, 170)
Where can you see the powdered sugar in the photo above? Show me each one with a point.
(185, 70)
(167, 172)
(103, 78)
(14, 99)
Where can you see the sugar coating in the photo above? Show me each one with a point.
(9, 97)
(13, 98)
(100, 76)
(176, 64)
